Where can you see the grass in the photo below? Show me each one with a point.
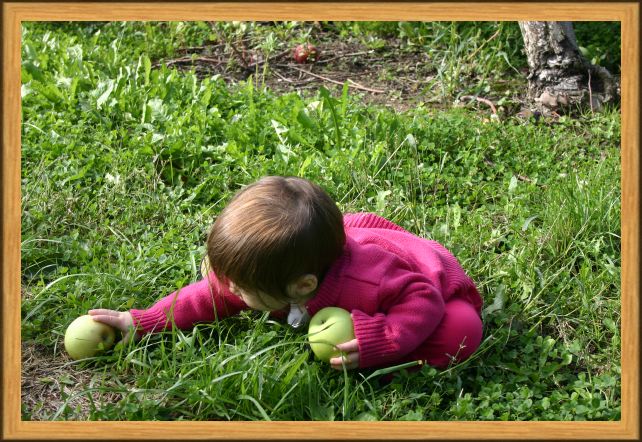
(124, 167)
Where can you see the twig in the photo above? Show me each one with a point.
(327, 60)
(357, 85)
(321, 77)
(240, 56)
(272, 57)
(281, 76)
(481, 100)
(242, 41)
(590, 91)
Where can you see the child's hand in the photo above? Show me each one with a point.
(350, 359)
(122, 321)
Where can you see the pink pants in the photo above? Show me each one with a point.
(456, 338)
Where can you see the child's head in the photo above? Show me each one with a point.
(276, 237)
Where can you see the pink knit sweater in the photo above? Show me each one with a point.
(394, 283)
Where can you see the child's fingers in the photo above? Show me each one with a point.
(350, 357)
(103, 312)
(350, 361)
(119, 320)
(115, 321)
(109, 320)
(348, 347)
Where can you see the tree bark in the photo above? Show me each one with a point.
(559, 75)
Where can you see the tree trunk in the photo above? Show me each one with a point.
(559, 75)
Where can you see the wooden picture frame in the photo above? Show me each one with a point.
(15, 13)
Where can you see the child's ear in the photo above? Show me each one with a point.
(306, 284)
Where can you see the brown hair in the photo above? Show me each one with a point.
(274, 231)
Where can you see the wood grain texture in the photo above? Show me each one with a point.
(387, 11)
(630, 279)
(10, 220)
(15, 13)
(323, 430)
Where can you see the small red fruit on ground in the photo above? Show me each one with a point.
(306, 52)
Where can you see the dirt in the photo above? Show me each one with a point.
(49, 382)
(389, 73)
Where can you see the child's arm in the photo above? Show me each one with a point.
(412, 309)
(204, 300)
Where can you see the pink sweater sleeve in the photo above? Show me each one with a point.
(412, 309)
(204, 300)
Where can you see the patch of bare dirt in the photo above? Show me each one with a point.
(389, 74)
(49, 383)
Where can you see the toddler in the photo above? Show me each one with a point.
(282, 245)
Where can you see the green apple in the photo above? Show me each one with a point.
(205, 266)
(85, 337)
(330, 326)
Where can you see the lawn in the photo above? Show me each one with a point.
(132, 142)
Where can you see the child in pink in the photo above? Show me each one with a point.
(409, 297)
